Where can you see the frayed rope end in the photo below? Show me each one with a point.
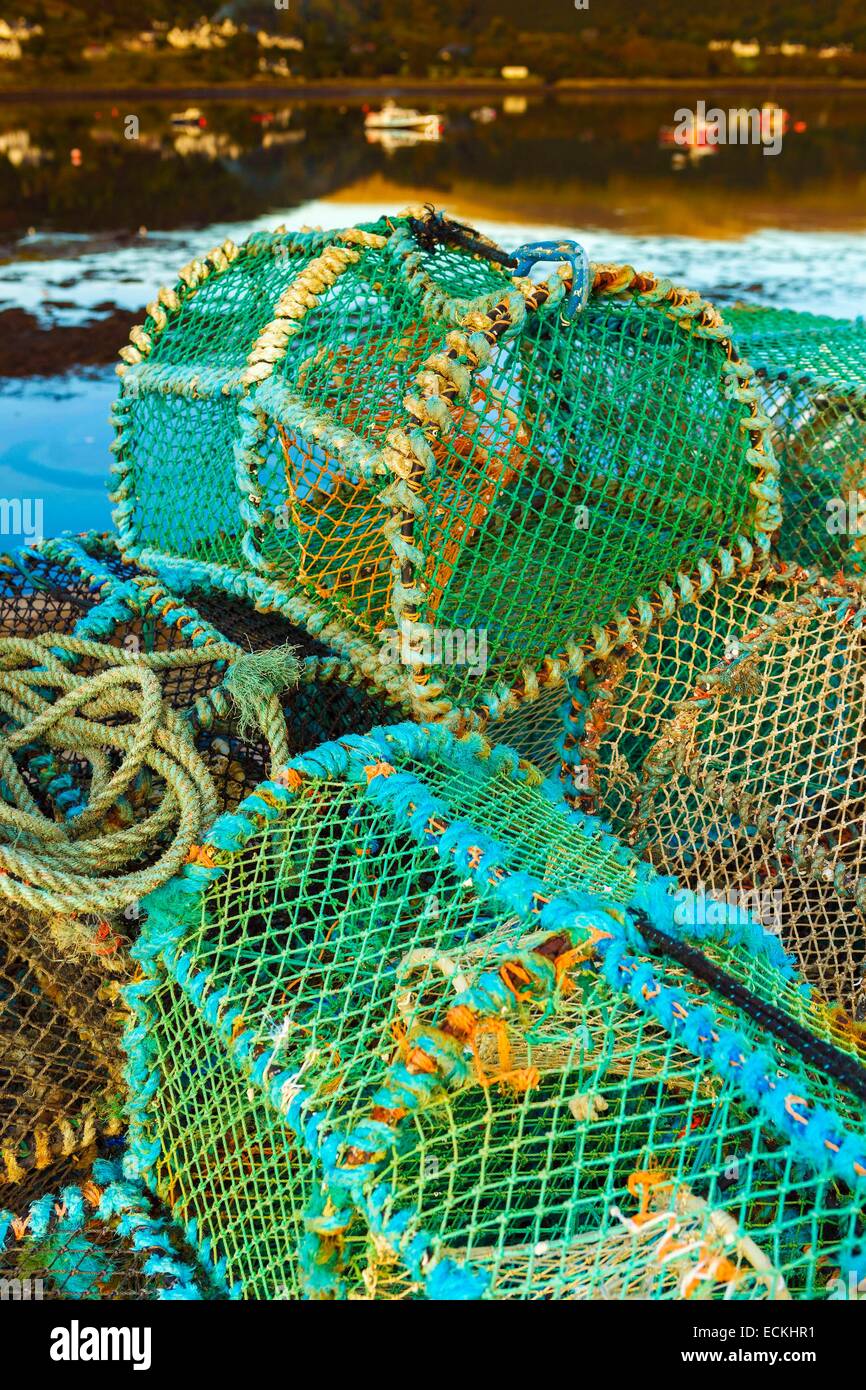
(255, 677)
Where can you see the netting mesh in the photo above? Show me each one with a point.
(138, 614)
(94, 1240)
(37, 596)
(362, 695)
(60, 1070)
(728, 749)
(811, 371)
(409, 1024)
(383, 1057)
(425, 444)
(618, 1166)
(60, 1059)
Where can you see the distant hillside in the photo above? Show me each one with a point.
(811, 22)
(798, 21)
(414, 38)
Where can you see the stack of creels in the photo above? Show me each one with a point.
(811, 373)
(460, 471)
(102, 1238)
(728, 748)
(411, 1028)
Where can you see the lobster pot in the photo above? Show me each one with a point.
(60, 1058)
(386, 1046)
(103, 1239)
(728, 749)
(449, 460)
(811, 374)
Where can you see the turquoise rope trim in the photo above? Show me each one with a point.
(122, 1202)
(754, 1072)
(83, 555)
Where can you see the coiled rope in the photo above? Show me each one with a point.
(90, 861)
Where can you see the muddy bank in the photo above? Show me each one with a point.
(29, 347)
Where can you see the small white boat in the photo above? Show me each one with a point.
(393, 118)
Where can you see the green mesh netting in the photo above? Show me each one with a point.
(357, 693)
(97, 1239)
(430, 447)
(391, 1044)
(729, 749)
(811, 371)
(608, 1163)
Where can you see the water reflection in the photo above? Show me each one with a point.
(585, 161)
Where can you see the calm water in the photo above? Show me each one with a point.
(82, 233)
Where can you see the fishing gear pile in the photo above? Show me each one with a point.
(431, 825)
(433, 445)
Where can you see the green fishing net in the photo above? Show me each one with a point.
(65, 936)
(409, 1027)
(811, 372)
(608, 1162)
(728, 749)
(459, 464)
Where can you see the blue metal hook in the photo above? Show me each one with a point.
(537, 251)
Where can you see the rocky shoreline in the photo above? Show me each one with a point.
(32, 348)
